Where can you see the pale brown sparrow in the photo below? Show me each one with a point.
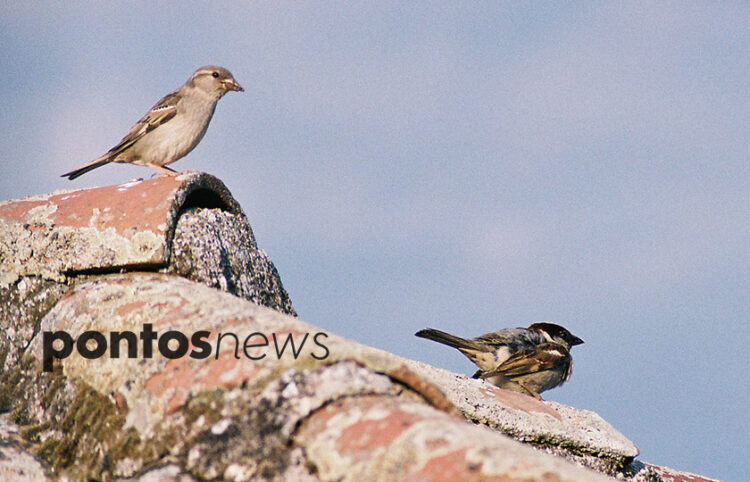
(173, 127)
(527, 360)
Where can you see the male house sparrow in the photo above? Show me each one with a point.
(527, 360)
(173, 127)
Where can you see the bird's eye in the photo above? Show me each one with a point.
(216, 75)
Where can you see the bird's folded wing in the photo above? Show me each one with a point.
(160, 113)
(546, 356)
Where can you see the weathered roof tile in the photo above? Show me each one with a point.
(103, 228)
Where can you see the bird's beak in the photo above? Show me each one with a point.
(231, 84)
(576, 341)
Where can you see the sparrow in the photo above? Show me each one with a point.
(526, 360)
(173, 127)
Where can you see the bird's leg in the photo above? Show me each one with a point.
(531, 392)
(164, 169)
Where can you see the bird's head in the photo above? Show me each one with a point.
(214, 80)
(556, 334)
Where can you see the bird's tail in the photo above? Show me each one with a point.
(451, 340)
(87, 167)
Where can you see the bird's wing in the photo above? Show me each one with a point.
(160, 113)
(501, 337)
(547, 356)
(517, 339)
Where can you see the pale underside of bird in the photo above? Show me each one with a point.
(173, 126)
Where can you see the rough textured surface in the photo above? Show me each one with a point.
(127, 225)
(217, 248)
(22, 305)
(188, 225)
(649, 472)
(353, 439)
(16, 463)
(580, 435)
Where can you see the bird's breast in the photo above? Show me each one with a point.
(178, 136)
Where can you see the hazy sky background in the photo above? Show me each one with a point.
(467, 166)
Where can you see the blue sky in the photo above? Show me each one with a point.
(467, 166)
